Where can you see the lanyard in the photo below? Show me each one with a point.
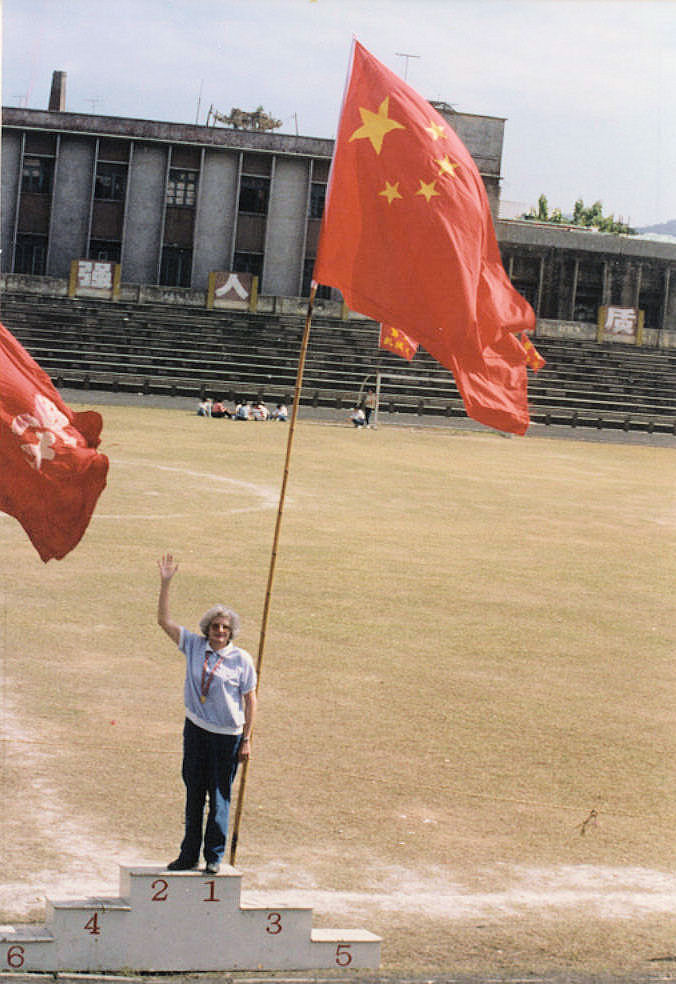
(208, 675)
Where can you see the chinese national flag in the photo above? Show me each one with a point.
(407, 237)
(533, 358)
(398, 342)
(50, 472)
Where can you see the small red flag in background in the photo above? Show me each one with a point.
(407, 237)
(50, 473)
(533, 358)
(398, 342)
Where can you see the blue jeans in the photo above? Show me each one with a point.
(209, 766)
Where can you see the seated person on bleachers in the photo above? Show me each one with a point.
(204, 408)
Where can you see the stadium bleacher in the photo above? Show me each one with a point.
(165, 349)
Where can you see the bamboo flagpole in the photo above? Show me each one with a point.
(273, 559)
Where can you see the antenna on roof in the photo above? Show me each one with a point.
(199, 102)
(403, 54)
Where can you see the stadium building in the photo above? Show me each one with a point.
(172, 202)
(166, 258)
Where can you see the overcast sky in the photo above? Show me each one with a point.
(587, 87)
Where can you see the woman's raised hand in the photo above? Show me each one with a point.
(167, 567)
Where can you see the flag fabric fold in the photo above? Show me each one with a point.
(51, 474)
(407, 237)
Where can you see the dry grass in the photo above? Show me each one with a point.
(470, 649)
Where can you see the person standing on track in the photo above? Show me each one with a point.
(369, 406)
(220, 707)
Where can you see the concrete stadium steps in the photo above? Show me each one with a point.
(153, 348)
(181, 921)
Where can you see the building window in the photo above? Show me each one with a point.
(111, 181)
(317, 199)
(525, 274)
(257, 164)
(589, 292)
(254, 193)
(37, 175)
(31, 254)
(248, 263)
(105, 250)
(651, 296)
(182, 188)
(176, 266)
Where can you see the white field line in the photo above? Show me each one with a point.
(607, 893)
(260, 497)
(85, 860)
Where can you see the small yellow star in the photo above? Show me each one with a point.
(390, 191)
(436, 129)
(428, 190)
(446, 166)
(376, 126)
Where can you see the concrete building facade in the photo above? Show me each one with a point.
(172, 202)
(568, 273)
(169, 202)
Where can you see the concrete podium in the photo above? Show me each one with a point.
(181, 921)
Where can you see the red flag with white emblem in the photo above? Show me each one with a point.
(51, 474)
(407, 237)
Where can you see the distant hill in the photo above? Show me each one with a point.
(664, 229)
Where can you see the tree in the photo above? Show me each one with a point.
(587, 218)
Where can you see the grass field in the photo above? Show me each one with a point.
(466, 732)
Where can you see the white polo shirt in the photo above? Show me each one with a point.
(223, 710)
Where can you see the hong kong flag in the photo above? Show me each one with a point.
(51, 474)
(407, 237)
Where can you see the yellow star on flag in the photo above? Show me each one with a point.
(446, 166)
(436, 129)
(390, 191)
(428, 190)
(376, 126)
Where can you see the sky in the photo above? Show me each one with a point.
(586, 86)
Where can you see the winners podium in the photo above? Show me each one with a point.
(181, 921)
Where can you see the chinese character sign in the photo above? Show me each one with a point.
(232, 290)
(94, 278)
(620, 324)
(95, 274)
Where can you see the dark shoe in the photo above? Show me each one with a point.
(181, 864)
(212, 867)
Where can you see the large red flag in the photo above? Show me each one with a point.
(408, 239)
(50, 473)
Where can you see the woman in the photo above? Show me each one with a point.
(220, 706)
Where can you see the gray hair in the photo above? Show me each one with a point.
(209, 616)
